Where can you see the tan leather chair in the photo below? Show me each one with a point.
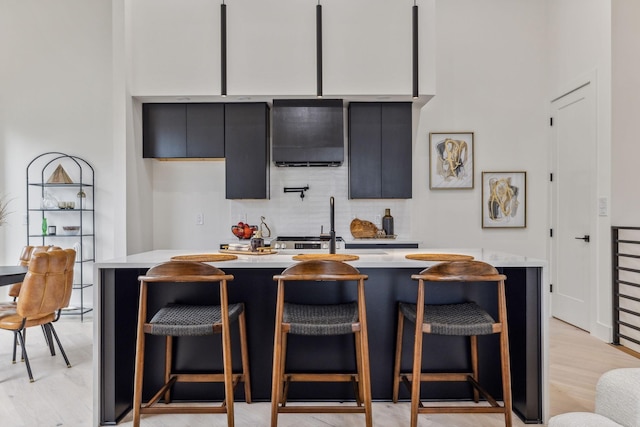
(455, 319)
(25, 256)
(46, 290)
(14, 291)
(178, 320)
(316, 320)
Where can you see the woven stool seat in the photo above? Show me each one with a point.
(335, 319)
(453, 319)
(180, 320)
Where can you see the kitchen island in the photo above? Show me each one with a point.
(389, 282)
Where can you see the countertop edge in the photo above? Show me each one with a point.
(386, 258)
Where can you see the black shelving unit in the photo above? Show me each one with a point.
(43, 202)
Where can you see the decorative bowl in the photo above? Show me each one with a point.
(244, 231)
(71, 229)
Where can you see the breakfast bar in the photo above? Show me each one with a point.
(389, 281)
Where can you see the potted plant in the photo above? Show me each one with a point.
(4, 209)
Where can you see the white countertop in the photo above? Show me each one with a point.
(369, 258)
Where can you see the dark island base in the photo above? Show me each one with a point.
(255, 287)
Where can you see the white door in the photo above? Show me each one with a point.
(573, 205)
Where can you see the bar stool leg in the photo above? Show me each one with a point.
(168, 362)
(242, 325)
(417, 356)
(139, 366)
(359, 386)
(226, 357)
(473, 341)
(505, 357)
(277, 370)
(396, 366)
(284, 384)
(276, 383)
(365, 377)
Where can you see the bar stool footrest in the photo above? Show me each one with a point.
(321, 409)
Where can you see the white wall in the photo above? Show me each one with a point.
(580, 37)
(625, 204)
(55, 95)
(490, 59)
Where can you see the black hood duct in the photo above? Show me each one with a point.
(308, 132)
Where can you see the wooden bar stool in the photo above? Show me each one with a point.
(317, 320)
(189, 320)
(460, 319)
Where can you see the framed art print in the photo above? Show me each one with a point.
(450, 160)
(504, 199)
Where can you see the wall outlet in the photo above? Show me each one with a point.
(199, 218)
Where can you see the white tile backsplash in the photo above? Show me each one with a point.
(288, 214)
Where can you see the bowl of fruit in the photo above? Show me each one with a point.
(243, 231)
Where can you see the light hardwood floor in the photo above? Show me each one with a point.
(62, 397)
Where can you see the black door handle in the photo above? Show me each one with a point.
(585, 238)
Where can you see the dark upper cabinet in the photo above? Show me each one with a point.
(205, 130)
(247, 150)
(380, 150)
(183, 130)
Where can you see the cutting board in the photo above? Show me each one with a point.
(264, 252)
(439, 257)
(204, 257)
(326, 257)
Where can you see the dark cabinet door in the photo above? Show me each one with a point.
(247, 151)
(396, 150)
(183, 130)
(205, 130)
(380, 155)
(164, 130)
(364, 151)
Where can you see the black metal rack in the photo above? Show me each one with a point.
(625, 251)
(42, 204)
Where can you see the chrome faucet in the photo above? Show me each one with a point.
(332, 232)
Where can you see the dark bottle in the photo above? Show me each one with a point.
(387, 222)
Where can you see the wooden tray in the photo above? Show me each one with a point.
(260, 252)
(439, 257)
(326, 257)
(204, 257)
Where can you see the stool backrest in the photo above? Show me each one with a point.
(184, 271)
(322, 270)
(460, 271)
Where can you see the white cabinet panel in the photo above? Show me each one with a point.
(175, 47)
(368, 46)
(271, 47)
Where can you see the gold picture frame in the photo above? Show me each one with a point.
(451, 160)
(504, 199)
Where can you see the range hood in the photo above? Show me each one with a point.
(308, 132)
